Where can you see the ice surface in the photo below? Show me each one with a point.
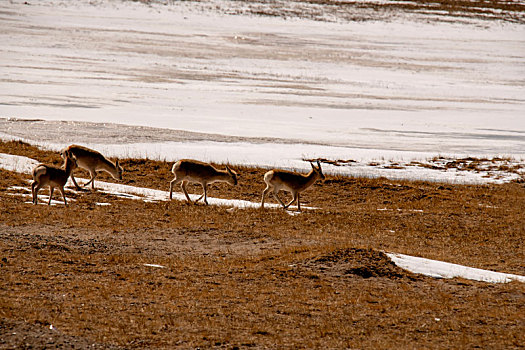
(364, 90)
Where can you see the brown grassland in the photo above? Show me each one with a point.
(78, 277)
(251, 278)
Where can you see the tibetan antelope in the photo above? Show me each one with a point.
(46, 175)
(277, 180)
(188, 170)
(93, 161)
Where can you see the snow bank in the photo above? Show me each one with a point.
(19, 164)
(356, 162)
(440, 269)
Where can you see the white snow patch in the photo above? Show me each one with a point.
(407, 210)
(155, 265)
(152, 195)
(19, 164)
(42, 199)
(440, 269)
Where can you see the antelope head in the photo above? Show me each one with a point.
(233, 176)
(318, 170)
(119, 170)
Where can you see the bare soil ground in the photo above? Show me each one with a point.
(79, 277)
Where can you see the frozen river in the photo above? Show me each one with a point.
(182, 80)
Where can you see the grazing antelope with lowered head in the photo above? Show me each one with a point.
(277, 180)
(188, 170)
(53, 177)
(92, 161)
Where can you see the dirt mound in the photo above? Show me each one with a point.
(365, 263)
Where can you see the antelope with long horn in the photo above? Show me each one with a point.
(277, 180)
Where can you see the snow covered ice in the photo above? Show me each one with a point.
(406, 88)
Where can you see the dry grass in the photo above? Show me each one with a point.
(254, 278)
(441, 10)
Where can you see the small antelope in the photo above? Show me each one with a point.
(92, 161)
(53, 177)
(188, 170)
(277, 180)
